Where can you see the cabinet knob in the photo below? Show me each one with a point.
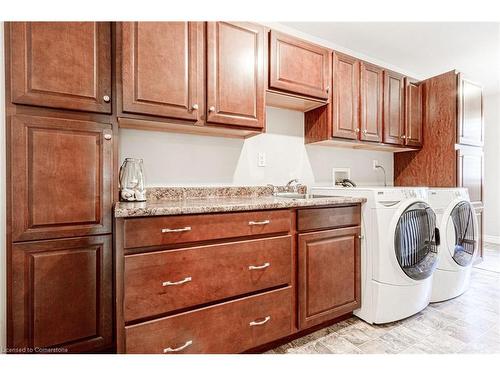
(356, 130)
(403, 137)
(365, 131)
(106, 98)
(327, 89)
(107, 137)
(211, 109)
(361, 236)
(194, 107)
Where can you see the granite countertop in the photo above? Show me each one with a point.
(179, 201)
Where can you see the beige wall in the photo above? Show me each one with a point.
(492, 167)
(181, 159)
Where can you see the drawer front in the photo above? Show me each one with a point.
(332, 217)
(160, 282)
(166, 230)
(231, 327)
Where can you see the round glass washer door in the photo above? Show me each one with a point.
(416, 240)
(464, 241)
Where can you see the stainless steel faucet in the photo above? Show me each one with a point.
(289, 184)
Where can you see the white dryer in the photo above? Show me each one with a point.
(459, 234)
(398, 250)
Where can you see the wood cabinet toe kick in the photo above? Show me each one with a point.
(233, 282)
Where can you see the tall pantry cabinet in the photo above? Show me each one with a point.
(60, 189)
(452, 153)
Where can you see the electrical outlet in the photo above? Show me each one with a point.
(375, 164)
(261, 159)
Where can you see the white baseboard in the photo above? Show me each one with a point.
(492, 239)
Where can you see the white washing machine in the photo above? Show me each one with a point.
(458, 244)
(398, 250)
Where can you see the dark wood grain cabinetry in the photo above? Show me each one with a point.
(413, 135)
(394, 108)
(193, 77)
(61, 294)
(230, 327)
(235, 74)
(59, 186)
(371, 96)
(61, 65)
(345, 100)
(230, 285)
(299, 67)
(453, 132)
(62, 177)
(162, 69)
(329, 274)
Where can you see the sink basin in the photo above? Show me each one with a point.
(300, 196)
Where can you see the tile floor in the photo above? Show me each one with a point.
(467, 324)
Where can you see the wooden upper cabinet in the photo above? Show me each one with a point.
(413, 113)
(345, 96)
(235, 74)
(371, 101)
(61, 65)
(61, 177)
(394, 110)
(329, 275)
(470, 172)
(162, 69)
(298, 67)
(62, 294)
(470, 113)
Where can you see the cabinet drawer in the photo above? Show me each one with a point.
(230, 327)
(157, 283)
(166, 230)
(332, 217)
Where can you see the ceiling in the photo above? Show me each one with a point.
(424, 48)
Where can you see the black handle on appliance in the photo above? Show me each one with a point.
(437, 236)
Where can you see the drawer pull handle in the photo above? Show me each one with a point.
(170, 350)
(264, 321)
(264, 222)
(169, 283)
(168, 230)
(265, 265)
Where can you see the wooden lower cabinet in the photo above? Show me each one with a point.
(239, 291)
(329, 275)
(164, 281)
(61, 294)
(231, 327)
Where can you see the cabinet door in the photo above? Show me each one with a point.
(61, 65)
(470, 113)
(329, 275)
(345, 101)
(162, 69)
(470, 173)
(61, 178)
(394, 110)
(61, 294)
(299, 67)
(235, 74)
(414, 113)
(371, 102)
